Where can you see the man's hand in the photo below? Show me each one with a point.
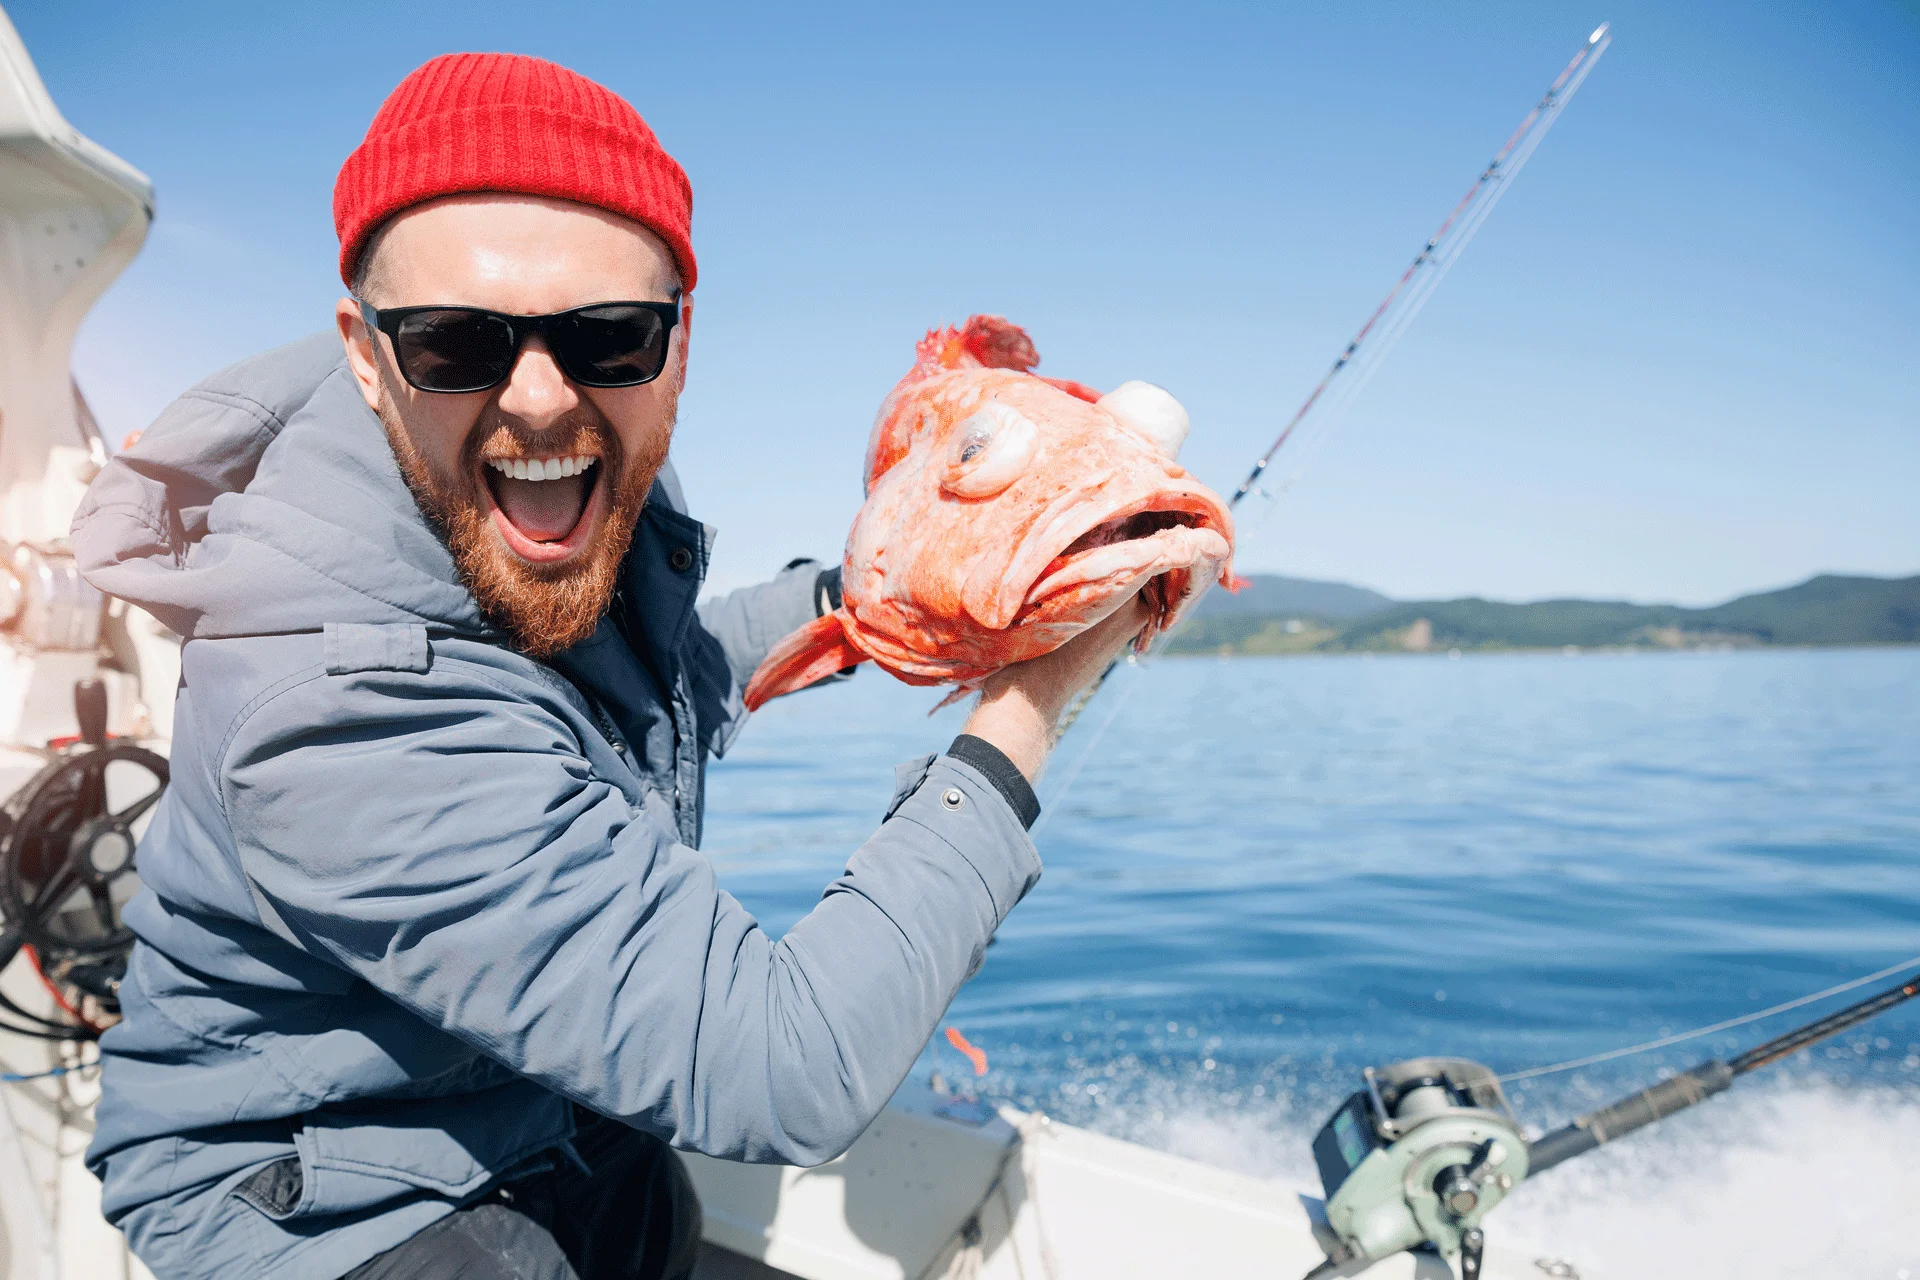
(1020, 704)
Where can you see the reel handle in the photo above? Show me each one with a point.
(1473, 1252)
(90, 709)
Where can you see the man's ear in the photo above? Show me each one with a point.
(686, 331)
(362, 357)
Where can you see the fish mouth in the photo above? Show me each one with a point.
(1169, 551)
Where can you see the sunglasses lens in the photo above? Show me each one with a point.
(614, 346)
(454, 350)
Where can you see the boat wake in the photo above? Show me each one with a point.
(1782, 1178)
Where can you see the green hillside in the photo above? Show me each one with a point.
(1827, 610)
(1269, 595)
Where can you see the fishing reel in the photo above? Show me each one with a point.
(1421, 1155)
(1418, 1158)
(66, 856)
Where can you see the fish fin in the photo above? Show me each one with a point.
(998, 343)
(1078, 390)
(990, 342)
(960, 692)
(806, 656)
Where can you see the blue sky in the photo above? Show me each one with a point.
(1681, 361)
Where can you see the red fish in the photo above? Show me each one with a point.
(1005, 514)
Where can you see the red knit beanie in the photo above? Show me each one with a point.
(502, 122)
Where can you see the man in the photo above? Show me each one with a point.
(428, 971)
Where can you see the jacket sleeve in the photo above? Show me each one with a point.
(511, 897)
(749, 622)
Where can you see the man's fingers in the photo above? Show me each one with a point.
(1020, 704)
(1102, 642)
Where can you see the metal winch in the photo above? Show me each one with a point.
(1419, 1157)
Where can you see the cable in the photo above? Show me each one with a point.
(66, 1031)
(59, 997)
(1729, 1024)
(39, 1033)
(11, 1078)
(38, 1027)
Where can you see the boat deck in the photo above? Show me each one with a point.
(722, 1264)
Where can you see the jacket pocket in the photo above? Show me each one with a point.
(356, 1156)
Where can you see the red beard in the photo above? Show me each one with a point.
(544, 608)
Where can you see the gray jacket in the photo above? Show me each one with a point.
(412, 895)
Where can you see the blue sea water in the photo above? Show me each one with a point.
(1266, 874)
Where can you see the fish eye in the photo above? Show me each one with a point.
(974, 442)
(989, 452)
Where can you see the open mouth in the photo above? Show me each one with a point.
(545, 508)
(1141, 547)
(1141, 524)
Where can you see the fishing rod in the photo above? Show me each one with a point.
(1699, 1083)
(1443, 248)
(1422, 1153)
(1368, 348)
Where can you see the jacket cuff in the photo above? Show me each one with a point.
(826, 591)
(1002, 773)
(956, 802)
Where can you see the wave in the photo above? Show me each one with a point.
(1797, 1176)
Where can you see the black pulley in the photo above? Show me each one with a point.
(66, 843)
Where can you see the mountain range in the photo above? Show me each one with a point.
(1274, 614)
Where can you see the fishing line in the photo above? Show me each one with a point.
(1079, 761)
(1728, 1025)
(1411, 291)
(1469, 213)
(1438, 258)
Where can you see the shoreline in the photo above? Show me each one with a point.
(1451, 653)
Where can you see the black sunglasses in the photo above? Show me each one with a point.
(455, 349)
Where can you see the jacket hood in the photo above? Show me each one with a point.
(267, 500)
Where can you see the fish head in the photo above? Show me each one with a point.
(1007, 512)
(983, 342)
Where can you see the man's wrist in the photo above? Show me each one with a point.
(1016, 727)
(1006, 777)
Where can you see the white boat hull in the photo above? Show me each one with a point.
(942, 1189)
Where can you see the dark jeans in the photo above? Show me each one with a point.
(633, 1217)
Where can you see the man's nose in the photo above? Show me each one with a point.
(536, 392)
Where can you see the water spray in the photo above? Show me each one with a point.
(1424, 1152)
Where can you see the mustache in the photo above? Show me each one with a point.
(581, 430)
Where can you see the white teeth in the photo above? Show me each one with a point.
(542, 468)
